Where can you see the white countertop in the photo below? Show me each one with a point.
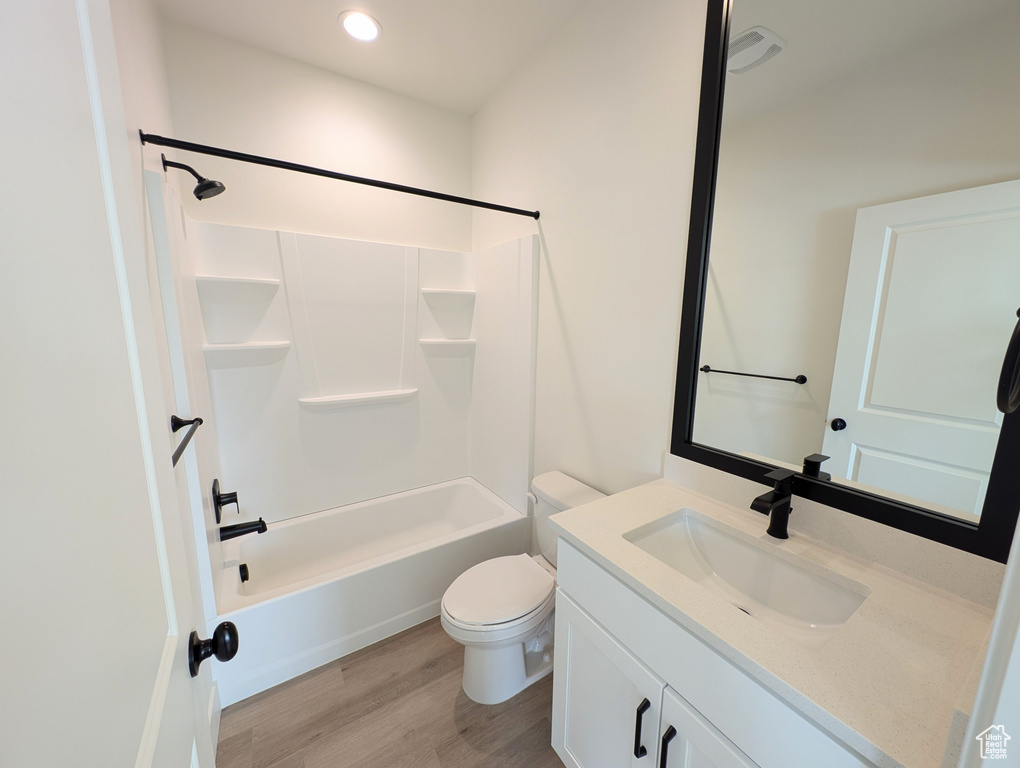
(888, 683)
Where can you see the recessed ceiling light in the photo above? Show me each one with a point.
(360, 25)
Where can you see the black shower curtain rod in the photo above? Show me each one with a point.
(163, 141)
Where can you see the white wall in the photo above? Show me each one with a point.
(231, 95)
(933, 119)
(598, 131)
(142, 67)
(138, 34)
(503, 383)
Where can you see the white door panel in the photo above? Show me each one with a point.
(928, 481)
(97, 609)
(931, 299)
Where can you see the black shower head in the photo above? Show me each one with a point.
(205, 188)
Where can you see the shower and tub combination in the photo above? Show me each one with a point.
(372, 403)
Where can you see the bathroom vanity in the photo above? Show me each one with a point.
(687, 637)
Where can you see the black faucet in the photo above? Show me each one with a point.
(240, 529)
(776, 503)
(813, 466)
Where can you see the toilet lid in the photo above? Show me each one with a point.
(498, 590)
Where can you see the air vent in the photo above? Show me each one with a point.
(751, 48)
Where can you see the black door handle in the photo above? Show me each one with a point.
(643, 707)
(837, 424)
(667, 737)
(222, 645)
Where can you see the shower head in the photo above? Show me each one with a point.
(205, 188)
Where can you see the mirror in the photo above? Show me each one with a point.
(854, 262)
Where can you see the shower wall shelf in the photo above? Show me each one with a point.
(235, 289)
(448, 346)
(223, 279)
(451, 292)
(330, 402)
(213, 288)
(225, 353)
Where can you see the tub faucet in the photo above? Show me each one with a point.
(240, 529)
(776, 503)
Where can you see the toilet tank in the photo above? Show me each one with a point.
(555, 492)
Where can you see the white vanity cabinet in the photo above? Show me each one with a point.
(614, 649)
(607, 702)
(610, 710)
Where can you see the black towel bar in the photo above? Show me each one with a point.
(177, 423)
(800, 379)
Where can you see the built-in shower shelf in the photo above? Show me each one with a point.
(228, 280)
(451, 292)
(448, 346)
(245, 353)
(329, 402)
(236, 289)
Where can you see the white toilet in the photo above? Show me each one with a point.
(501, 610)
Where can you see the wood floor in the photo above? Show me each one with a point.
(396, 704)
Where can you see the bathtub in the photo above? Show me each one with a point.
(326, 584)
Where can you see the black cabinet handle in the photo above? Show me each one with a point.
(643, 707)
(667, 737)
(222, 645)
(837, 424)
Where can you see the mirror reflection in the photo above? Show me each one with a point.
(866, 238)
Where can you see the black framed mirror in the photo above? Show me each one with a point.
(983, 519)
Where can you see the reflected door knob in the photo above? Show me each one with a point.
(837, 424)
(222, 645)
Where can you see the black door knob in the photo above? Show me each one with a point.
(837, 424)
(222, 645)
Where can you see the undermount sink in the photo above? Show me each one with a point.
(793, 596)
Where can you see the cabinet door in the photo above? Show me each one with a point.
(687, 740)
(606, 703)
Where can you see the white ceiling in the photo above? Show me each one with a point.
(829, 40)
(452, 53)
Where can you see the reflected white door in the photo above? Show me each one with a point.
(96, 601)
(931, 299)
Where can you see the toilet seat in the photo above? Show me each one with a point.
(495, 635)
(500, 593)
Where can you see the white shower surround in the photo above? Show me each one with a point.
(326, 584)
(244, 318)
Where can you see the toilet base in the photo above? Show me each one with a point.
(493, 675)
